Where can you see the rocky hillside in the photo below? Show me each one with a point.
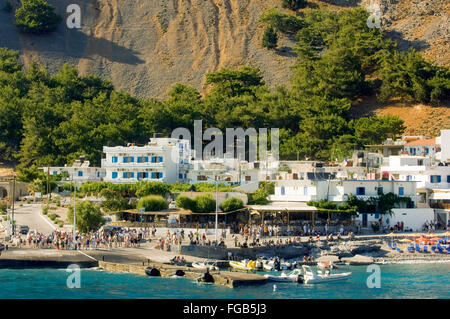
(145, 47)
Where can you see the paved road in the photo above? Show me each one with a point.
(29, 214)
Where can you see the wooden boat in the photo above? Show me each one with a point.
(311, 277)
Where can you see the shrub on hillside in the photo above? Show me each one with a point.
(204, 204)
(36, 16)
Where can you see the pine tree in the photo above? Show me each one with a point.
(270, 38)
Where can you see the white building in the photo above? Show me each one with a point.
(428, 173)
(80, 171)
(444, 145)
(161, 160)
(339, 190)
(232, 170)
(422, 147)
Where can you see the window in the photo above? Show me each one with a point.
(448, 178)
(114, 159)
(142, 175)
(435, 178)
(360, 191)
(55, 173)
(305, 190)
(157, 175)
(157, 159)
(128, 175)
(248, 178)
(128, 159)
(283, 190)
(201, 178)
(380, 190)
(427, 151)
(180, 176)
(80, 173)
(401, 191)
(114, 175)
(408, 178)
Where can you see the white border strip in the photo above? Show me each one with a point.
(51, 225)
(86, 255)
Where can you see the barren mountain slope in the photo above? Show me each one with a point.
(147, 46)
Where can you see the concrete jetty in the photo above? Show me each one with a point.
(224, 278)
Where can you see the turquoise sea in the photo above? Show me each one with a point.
(397, 281)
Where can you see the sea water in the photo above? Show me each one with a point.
(396, 281)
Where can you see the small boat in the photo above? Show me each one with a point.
(311, 277)
(206, 265)
(206, 278)
(246, 265)
(277, 265)
(294, 276)
(327, 265)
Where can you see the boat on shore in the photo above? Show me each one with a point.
(312, 277)
(294, 276)
(244, 265)
(206, 265)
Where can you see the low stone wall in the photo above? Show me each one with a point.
(287, 251)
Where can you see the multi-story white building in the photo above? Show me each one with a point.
(427, 172)
(232, 170)
(162, 159)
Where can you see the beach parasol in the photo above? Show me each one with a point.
(431, 235)
(435, 239)
(405, 240)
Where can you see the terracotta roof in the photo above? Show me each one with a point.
(428, 141)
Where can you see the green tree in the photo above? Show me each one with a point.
(231, 204)
(36, 16)
(270, 38)
(152, 203)
(89, 217)
(204, 204)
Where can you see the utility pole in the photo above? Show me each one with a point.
(48, 185)
(13, 198)
(74, 215)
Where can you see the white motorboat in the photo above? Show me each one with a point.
(273, 265)
(294, 276)
(206, 265)
(311, 277)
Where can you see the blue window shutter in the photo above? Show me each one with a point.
(80, 173)
(146, 159)
(448, 178)
(124, 159)
(282, 190)
(153, 161)
(401, 191)
(124, 175)
(132, 175)
(160, 175)
(138, 159)
(153, 174)
(114, 174)
(438, 178)
(132, 159)
(160, 159)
